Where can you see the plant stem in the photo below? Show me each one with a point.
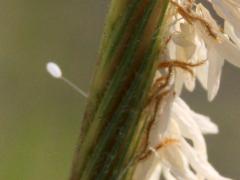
(113, 123)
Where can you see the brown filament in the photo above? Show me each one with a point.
(189, 17)
(166, 142)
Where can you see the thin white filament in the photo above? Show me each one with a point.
(80, 91)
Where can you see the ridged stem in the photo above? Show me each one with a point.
(113, 124)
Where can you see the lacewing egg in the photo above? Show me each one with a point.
(54, 70)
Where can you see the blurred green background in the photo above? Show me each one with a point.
(40, 116)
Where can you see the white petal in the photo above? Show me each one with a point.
(202, 70)
(167, 175)
(201, 166)
(179, 81)
(230, 52)
(229, 30)
(175, 160)
(189, 82)
(172, 49)
(149, 168)
(156, 173)
(202, 74)
(162, 119)
(205, 124)
(215, 70)
(189, 128)
(146, 168)
(181, 40)
(230, 11)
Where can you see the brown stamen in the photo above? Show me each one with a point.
(166, 142)
(180, 64)
(189, 17)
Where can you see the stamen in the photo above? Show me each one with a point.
(180, 64)
(54, 70)
(189, 17)
(166, 142)
(158, 101)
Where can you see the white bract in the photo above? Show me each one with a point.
(177, 148)
(178, 155)
(229, 10)
(193, 43)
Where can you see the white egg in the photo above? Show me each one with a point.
(54, 70)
